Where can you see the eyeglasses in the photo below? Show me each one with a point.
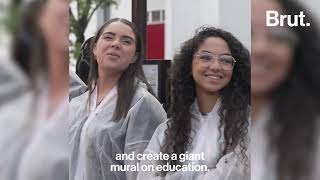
(226, 61)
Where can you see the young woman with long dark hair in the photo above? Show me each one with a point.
(118, 114)
(285, 83)
(33, 125)
(209, 111)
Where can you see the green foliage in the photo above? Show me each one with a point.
(10, 18)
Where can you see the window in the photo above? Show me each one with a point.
(155, 16)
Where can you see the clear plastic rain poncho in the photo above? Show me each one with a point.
(76, 85)
(263, 164)
(263, 160)
(206, 140)
(46, 154)
(32, 147)
(96, 139)
(15, 97)
(13, 81)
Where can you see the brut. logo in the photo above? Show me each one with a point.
(274, 19)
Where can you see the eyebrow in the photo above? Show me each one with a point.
(124, 36)
(213, 53)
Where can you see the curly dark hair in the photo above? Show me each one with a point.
(296, 105)
(235, 97)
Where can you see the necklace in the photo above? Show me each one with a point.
(99, 102)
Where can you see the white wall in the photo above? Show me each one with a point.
(155, 5)
(235, 17)
(122, 10)
(92, 26)
(183, 17)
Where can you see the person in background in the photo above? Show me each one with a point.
(285, 86)
(36, 121)
(209, 110)
(78, 80)
(84, 60)
(118, 114)
(76, 85)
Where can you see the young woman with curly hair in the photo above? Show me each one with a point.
(285, 83)
(209, 111)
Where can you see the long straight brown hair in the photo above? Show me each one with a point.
(129, 79)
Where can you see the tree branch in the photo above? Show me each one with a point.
(78, 9)
(94, 9)
(71, 13)
(87, 9)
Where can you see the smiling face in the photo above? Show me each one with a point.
(211, 77)
(271, 50)
(115, 48)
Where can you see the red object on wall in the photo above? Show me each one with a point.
(155, 41)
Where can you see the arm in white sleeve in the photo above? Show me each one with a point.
(145, 116)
